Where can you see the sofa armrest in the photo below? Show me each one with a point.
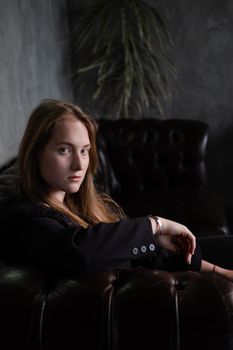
(123, 309)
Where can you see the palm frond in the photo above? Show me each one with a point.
(126, 43)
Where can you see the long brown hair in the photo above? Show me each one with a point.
(86, 206)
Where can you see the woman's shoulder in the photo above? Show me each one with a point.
(20, 211)
(21, 208)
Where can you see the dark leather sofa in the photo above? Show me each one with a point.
(149, 167)
(159, 166)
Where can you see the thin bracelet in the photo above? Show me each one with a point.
(214, 268)
(159, 225)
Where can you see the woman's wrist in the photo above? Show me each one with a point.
(157, 228)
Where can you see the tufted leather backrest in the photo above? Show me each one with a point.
(152, 153)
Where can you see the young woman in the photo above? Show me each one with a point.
(60, 220)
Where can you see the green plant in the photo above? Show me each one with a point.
(126, 45)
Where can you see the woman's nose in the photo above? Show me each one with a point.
(77, 163)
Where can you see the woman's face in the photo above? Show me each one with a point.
(64, 161)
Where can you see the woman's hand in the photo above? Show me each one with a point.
(176, 237)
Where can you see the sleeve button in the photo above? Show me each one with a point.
(151, 247)
(143, 249)
(135, 251)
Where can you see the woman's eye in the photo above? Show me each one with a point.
(85, 151)
(64, 150)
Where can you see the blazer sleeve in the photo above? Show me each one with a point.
(45, 241)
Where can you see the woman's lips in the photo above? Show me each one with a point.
(74, 178)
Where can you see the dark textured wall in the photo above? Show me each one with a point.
(202, 32)
(34, 63)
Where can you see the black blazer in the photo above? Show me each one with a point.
(42, 235)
